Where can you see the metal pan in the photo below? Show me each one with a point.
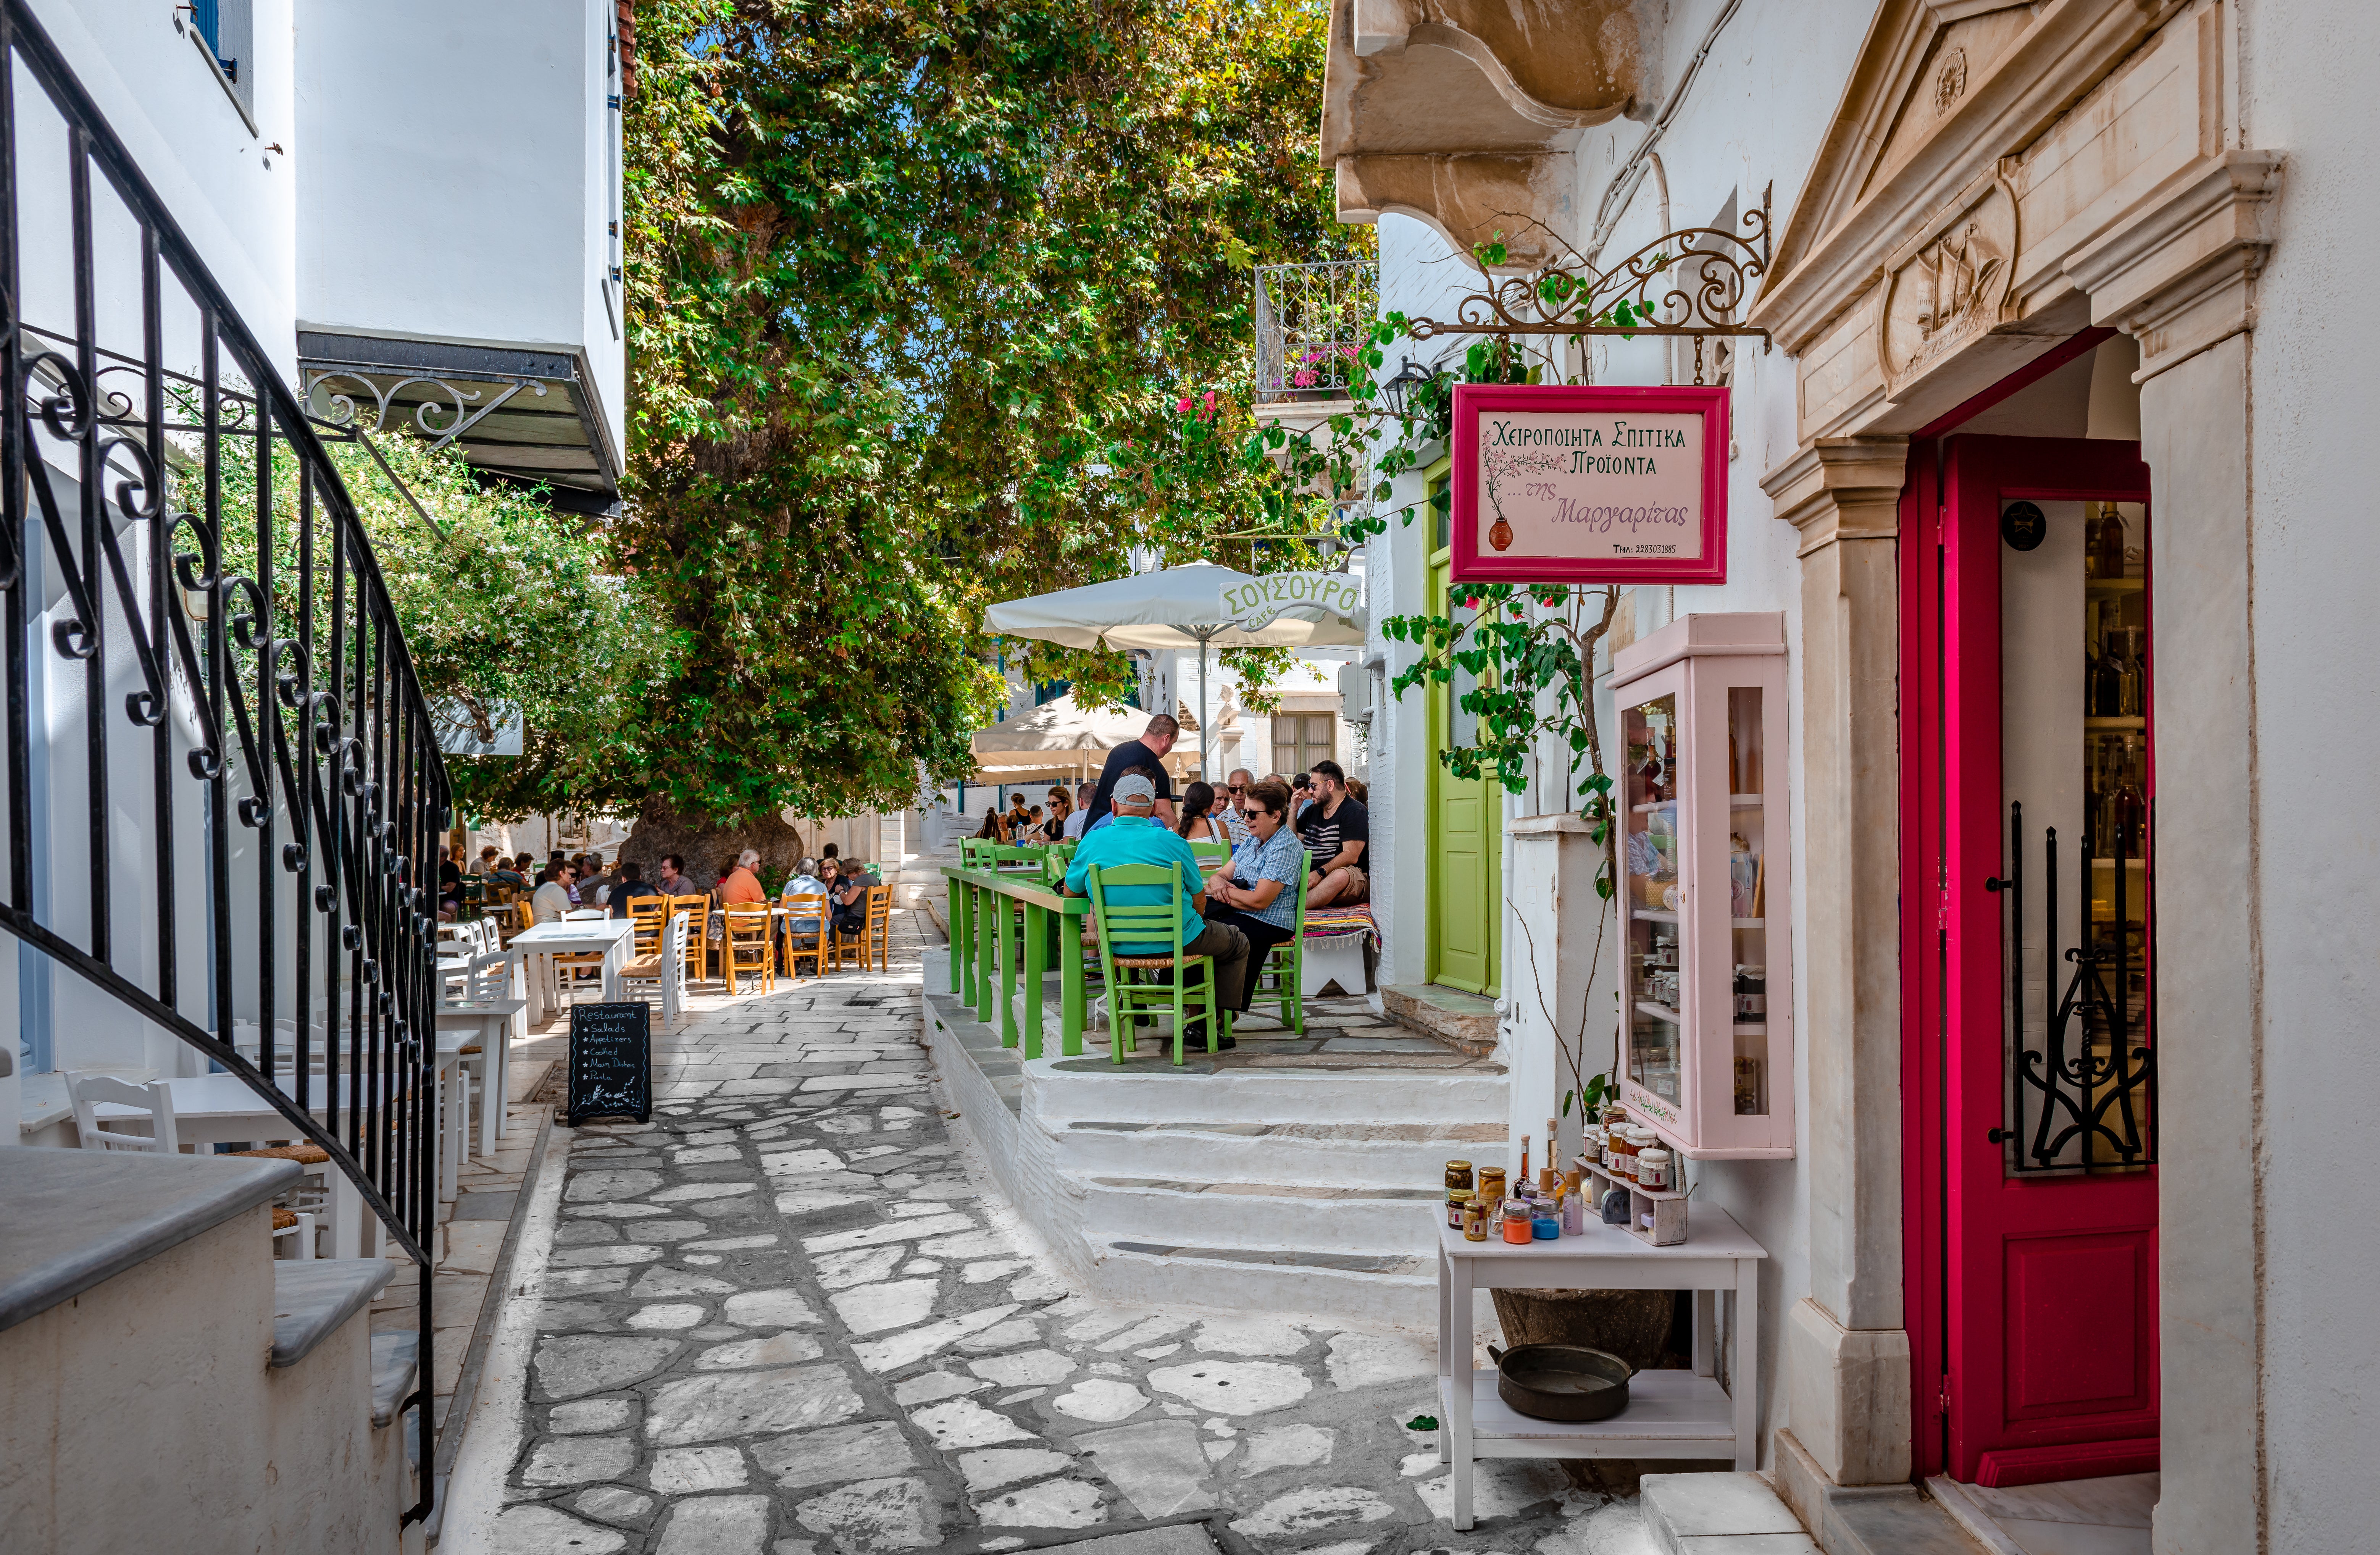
(1562, 1382)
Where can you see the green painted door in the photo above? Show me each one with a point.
(1466, 905)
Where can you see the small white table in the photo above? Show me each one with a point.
(609, 937)
(1670, 1414)
(490, 1023)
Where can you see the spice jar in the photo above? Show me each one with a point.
(1455, 1204)
(1475, 1221)
(1458, 1177)
(1653, 1169)
(1517, 1220)
(1490, 1191)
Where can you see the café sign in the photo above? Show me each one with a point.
(1557, 484)
(1254, 604)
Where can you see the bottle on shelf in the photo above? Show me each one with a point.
(2090, 540)
(2108, 544)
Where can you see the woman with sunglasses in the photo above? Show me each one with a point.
(1255, 891)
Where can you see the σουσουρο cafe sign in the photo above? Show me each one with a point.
(1555, 484)
(1254, 604)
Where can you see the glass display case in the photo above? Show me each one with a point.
(1706, 965)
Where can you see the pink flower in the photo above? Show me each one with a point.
(1183, 409)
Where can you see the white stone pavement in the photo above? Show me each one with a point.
(788, 1318)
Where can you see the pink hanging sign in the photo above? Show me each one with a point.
(1553, 484)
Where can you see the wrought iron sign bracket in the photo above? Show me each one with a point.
(1689, 282)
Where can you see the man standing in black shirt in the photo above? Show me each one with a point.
(1147, 751)
(1336, 829)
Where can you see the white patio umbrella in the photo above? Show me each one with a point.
(1178, 608)
(1059, 735)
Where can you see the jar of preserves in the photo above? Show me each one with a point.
(1490, 1190)
(1624, 1155)
(1653, 1169)
(1475, 1221)
(1455, 1204)
(1458, 1177)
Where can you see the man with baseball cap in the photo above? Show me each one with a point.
(1131, 837)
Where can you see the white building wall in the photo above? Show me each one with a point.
(231, 188)
(461, 175)
(2313, 821)
(1753, 118)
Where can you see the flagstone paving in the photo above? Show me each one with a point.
(784, 1318)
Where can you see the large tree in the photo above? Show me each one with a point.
(916, 292)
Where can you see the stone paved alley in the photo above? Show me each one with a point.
(788, 1318)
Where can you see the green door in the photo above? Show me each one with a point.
(1465, 831)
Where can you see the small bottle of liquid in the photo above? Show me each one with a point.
(1573, 1206)
(1523, 1175)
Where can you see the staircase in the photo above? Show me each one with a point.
(1277, 1189)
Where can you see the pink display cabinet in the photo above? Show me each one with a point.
(1707, 959)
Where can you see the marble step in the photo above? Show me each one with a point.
(1390, 1221)
(1270, 1094)
(1337, 1287)
(1338, 1155)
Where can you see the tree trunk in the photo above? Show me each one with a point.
(707, 849)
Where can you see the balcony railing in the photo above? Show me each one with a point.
(222, 783)
(1312, 322)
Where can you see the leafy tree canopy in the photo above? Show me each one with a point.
(924, 299)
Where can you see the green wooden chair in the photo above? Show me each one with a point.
(1193, 983)
(1211, 854)
(976, 853)
(1287, 960)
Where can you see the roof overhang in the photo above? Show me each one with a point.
(520, 414)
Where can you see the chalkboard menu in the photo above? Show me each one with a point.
(611, 1062)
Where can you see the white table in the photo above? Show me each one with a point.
(609, 937)
(1670, 1414)
(489, 1023)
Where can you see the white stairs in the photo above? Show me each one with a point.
(1275, 1189)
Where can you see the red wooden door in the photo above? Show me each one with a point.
(2033, 1257)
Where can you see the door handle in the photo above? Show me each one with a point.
(1999, 1135)
(1993, 883)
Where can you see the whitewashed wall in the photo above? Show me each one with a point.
(2312, 818)
(461, 175)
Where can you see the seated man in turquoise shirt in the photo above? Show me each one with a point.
(1134, 838)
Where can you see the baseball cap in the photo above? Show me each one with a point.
(1132, 786)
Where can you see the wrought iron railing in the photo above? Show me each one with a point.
(1312, 324)
(225, 820)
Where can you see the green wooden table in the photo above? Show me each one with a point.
(984, 960)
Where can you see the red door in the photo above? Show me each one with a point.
(2029, 798)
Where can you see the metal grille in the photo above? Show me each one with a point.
(2084, 1100)
(222, 785)
(1312, 324)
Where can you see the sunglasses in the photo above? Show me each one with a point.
(1235, 788)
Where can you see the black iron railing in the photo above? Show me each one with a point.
(257, 763)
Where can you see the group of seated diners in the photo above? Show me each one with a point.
(1247, 904)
